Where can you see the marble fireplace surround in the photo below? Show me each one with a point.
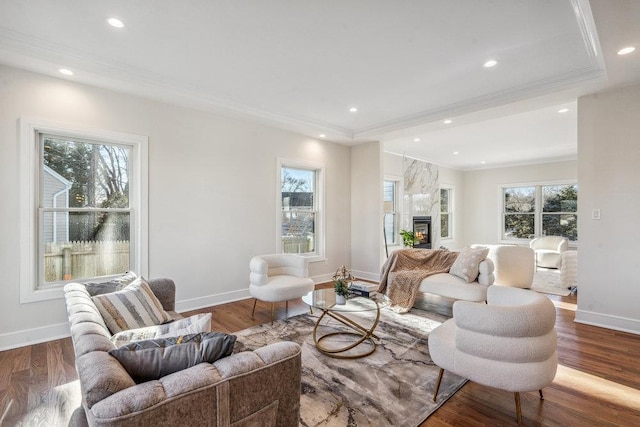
(421, 196)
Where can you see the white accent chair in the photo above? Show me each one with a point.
(509, 343)
(549, 250)
(279, 277)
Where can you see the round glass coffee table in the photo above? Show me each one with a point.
(325, 300)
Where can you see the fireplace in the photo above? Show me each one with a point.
(422, 231)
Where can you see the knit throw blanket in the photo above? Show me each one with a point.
(404, 270)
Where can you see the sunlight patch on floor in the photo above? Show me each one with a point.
(565, 305)
(597, 387)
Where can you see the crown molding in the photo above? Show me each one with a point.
(26, 52)
(514, 94)
(44, 56)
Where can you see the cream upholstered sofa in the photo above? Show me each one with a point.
(515, 265)
(450, 286)
(505, 265)
(247, 388)
(509, 343)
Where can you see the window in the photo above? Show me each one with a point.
(446, 213)
(390, 211)
(540, 210)
(85, 198)
(560, 211)
(300, 216)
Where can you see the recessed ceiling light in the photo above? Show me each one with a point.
(66, 71)
(448, 122)
(322, 135)
(482, 162)
(115, 22)
(353, 109)
(563, 110)
(490, 63)
(455, 153)
(626, 50)
(416, 139)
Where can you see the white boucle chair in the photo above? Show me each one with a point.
(278, 277)
(549, 250)
(509, 343)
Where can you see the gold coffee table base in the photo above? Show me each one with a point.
(362, 334)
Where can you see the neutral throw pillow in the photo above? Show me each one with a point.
(153, 359)
(195, 324)
(135, 306)
(466, 265)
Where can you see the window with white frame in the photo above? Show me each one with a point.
(300, 217)
(530, 211)
(446, 213)
(85, 197)
(390, 191)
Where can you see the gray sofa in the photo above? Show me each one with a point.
(260, 387)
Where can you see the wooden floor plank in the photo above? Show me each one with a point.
(598, 381)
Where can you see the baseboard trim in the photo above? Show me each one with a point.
(211, 300)
(323, 278)
(33, 336)
(374, 277)
(608, 321)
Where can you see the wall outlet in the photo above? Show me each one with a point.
(595, 214)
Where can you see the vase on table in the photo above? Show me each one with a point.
(340, 299)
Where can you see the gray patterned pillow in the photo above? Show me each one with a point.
(153, 359)
(467, 264)
(135, 306)
(195, 324)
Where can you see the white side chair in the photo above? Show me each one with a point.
(509, 343)
(549, 250)
(278, 277)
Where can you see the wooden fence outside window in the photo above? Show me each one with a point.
(77, 260)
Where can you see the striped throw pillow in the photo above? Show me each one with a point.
(133, 307)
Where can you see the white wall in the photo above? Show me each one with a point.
(212, 193)
(609, 176)
(455, 179)
(481, 205)
(367, 247)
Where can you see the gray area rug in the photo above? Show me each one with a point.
(391, 387)
(547, 281)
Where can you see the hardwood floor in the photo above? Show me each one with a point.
(598, 380)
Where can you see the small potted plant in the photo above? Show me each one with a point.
(342, 290)
(408, 238)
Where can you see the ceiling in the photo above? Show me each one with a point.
(301, 65)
